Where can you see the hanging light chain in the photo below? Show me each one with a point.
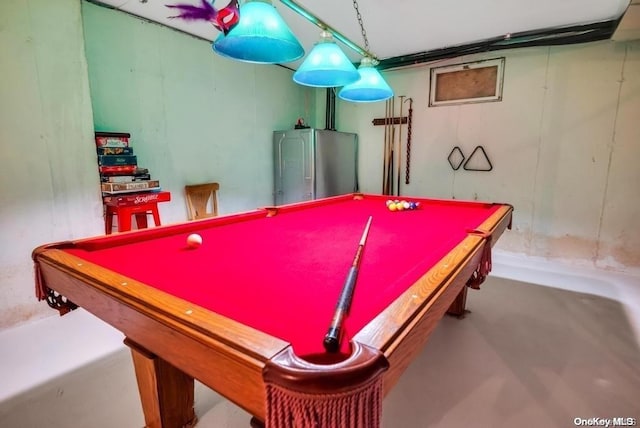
(362, 30)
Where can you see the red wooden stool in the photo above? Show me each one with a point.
(133, 204)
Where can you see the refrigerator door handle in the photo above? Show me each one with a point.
(306, 161)
(280, 165)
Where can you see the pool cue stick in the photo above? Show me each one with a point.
(386, 149)
(392, 142)
(387, 191)
(402, 97)
(390, 184)
(334, 335)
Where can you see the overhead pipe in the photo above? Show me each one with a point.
(330, 110)
(550, 37)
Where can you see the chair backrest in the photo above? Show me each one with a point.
(202, 200)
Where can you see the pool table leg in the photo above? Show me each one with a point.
(458, 307)
(166, 392)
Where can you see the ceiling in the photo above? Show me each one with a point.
(418, 30)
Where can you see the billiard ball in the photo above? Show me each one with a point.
(194, 240)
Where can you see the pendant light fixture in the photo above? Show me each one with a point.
(256, 33)
(326, 65)
(261, 36)
(371, 86)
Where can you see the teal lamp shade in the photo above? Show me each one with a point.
(326, 66)
(261, 36)
(370, 88)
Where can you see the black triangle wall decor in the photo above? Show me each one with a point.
(487, 163)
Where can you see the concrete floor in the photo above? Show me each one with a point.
(553, 345)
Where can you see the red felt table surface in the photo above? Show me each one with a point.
(283, 274)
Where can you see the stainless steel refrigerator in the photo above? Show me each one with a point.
(314, 163)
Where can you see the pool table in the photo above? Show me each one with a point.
(247, 311)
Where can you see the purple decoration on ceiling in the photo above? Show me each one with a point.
(223, 20)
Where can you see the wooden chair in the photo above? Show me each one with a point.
(202, 200)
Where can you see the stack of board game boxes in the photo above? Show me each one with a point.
(118, 166)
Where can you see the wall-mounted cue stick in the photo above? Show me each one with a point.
(386, 148)
(334, 335)
(402, 97)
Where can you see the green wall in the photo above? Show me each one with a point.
(193, 116)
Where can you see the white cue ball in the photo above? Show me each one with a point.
(194, 240)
